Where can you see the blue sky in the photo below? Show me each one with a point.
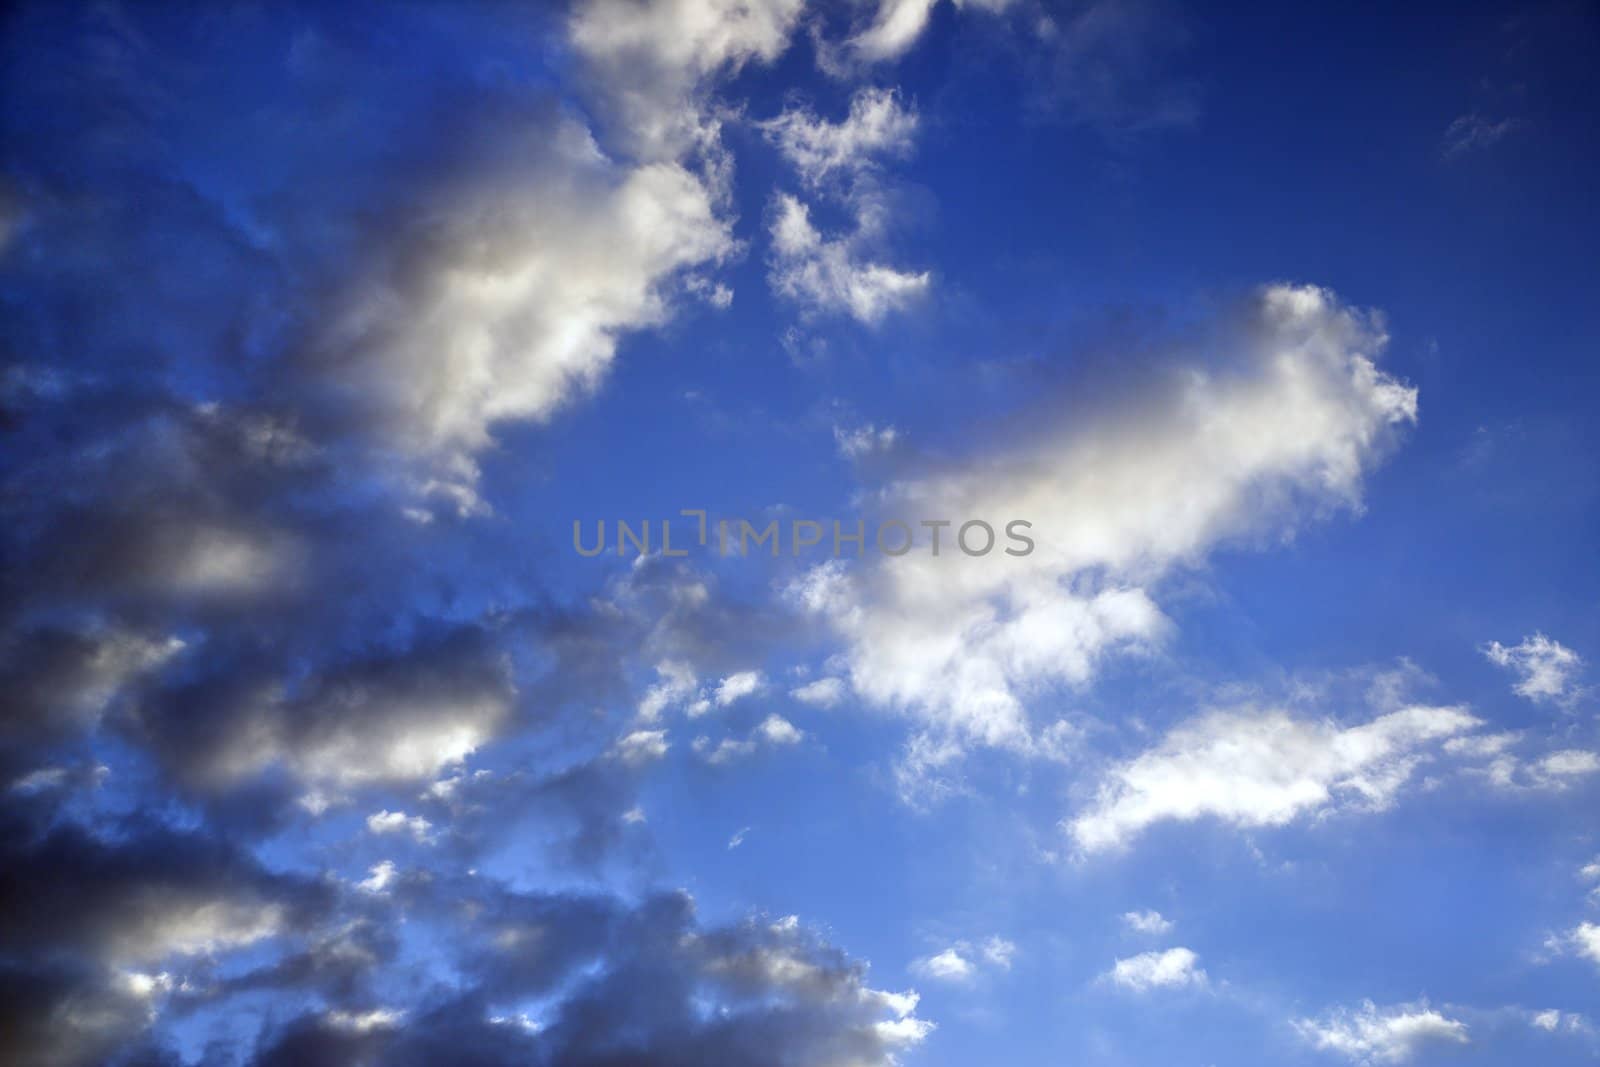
(328, 326)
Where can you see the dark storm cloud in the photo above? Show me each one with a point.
(64, 1014)
(88, 922)
(140, 897)
(640, 985)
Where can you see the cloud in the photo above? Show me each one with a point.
(673, 991)
(1252, 767)
(822, 693)
(999, 952)
(1388, 1035)
(837, 275)
(508, 302)
(864, 440)
(776, 730)
(738, 838)
(652, 62)
(897, 24)
(878, 124)
(1175, 968)
(736, 687)
(1475, 133)
(965, 960)
(1547, 670)
(93, 924)
(143, 899)
(946, 966)
(394, 822)
(1147, 922)
(379, 878)
(642, 746)
(1585, 941)
(841, 275)
(397, 717)
(894, 29)
(1117, 498)
(678, 682)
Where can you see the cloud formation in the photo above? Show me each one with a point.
(1546, 669)
(1173, 968)
(1117, 498)
(1253, 767)
(1370, 1034)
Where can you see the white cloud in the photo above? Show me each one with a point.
(394, 822)
(878, 124)
(1390, 1035)
(836, 275)
(822, 693)
(1147, 922)
(1552, 1019)
(1585, 940)
(1117, 498)
(738, 838)
(999, 952)
(1261, 767)
(677, 683)
(897, 24)
(841, 274)
(894, 29)
(963, 961)
(654, 60)
(736, 687)
(641, 746)
(776, 730)
(864, 440)
(1552, 772)
(1546, 669)
(1173, 968)
(512, 305)
(946, 966)
(379, 878)
(1556, 769)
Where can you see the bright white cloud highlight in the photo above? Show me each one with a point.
(513, 303)
(1173, 968)
(879, 124)
(1147, 922)
(822, 693)
(1389, 1035)
(1585, 939)
(653, 60)
(1254, 767)
(776, 730)
(1546, 670)
(897, 25)
(836, 275)
(946, 966)
(395, 822)
(736, 687)
(964, 960)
